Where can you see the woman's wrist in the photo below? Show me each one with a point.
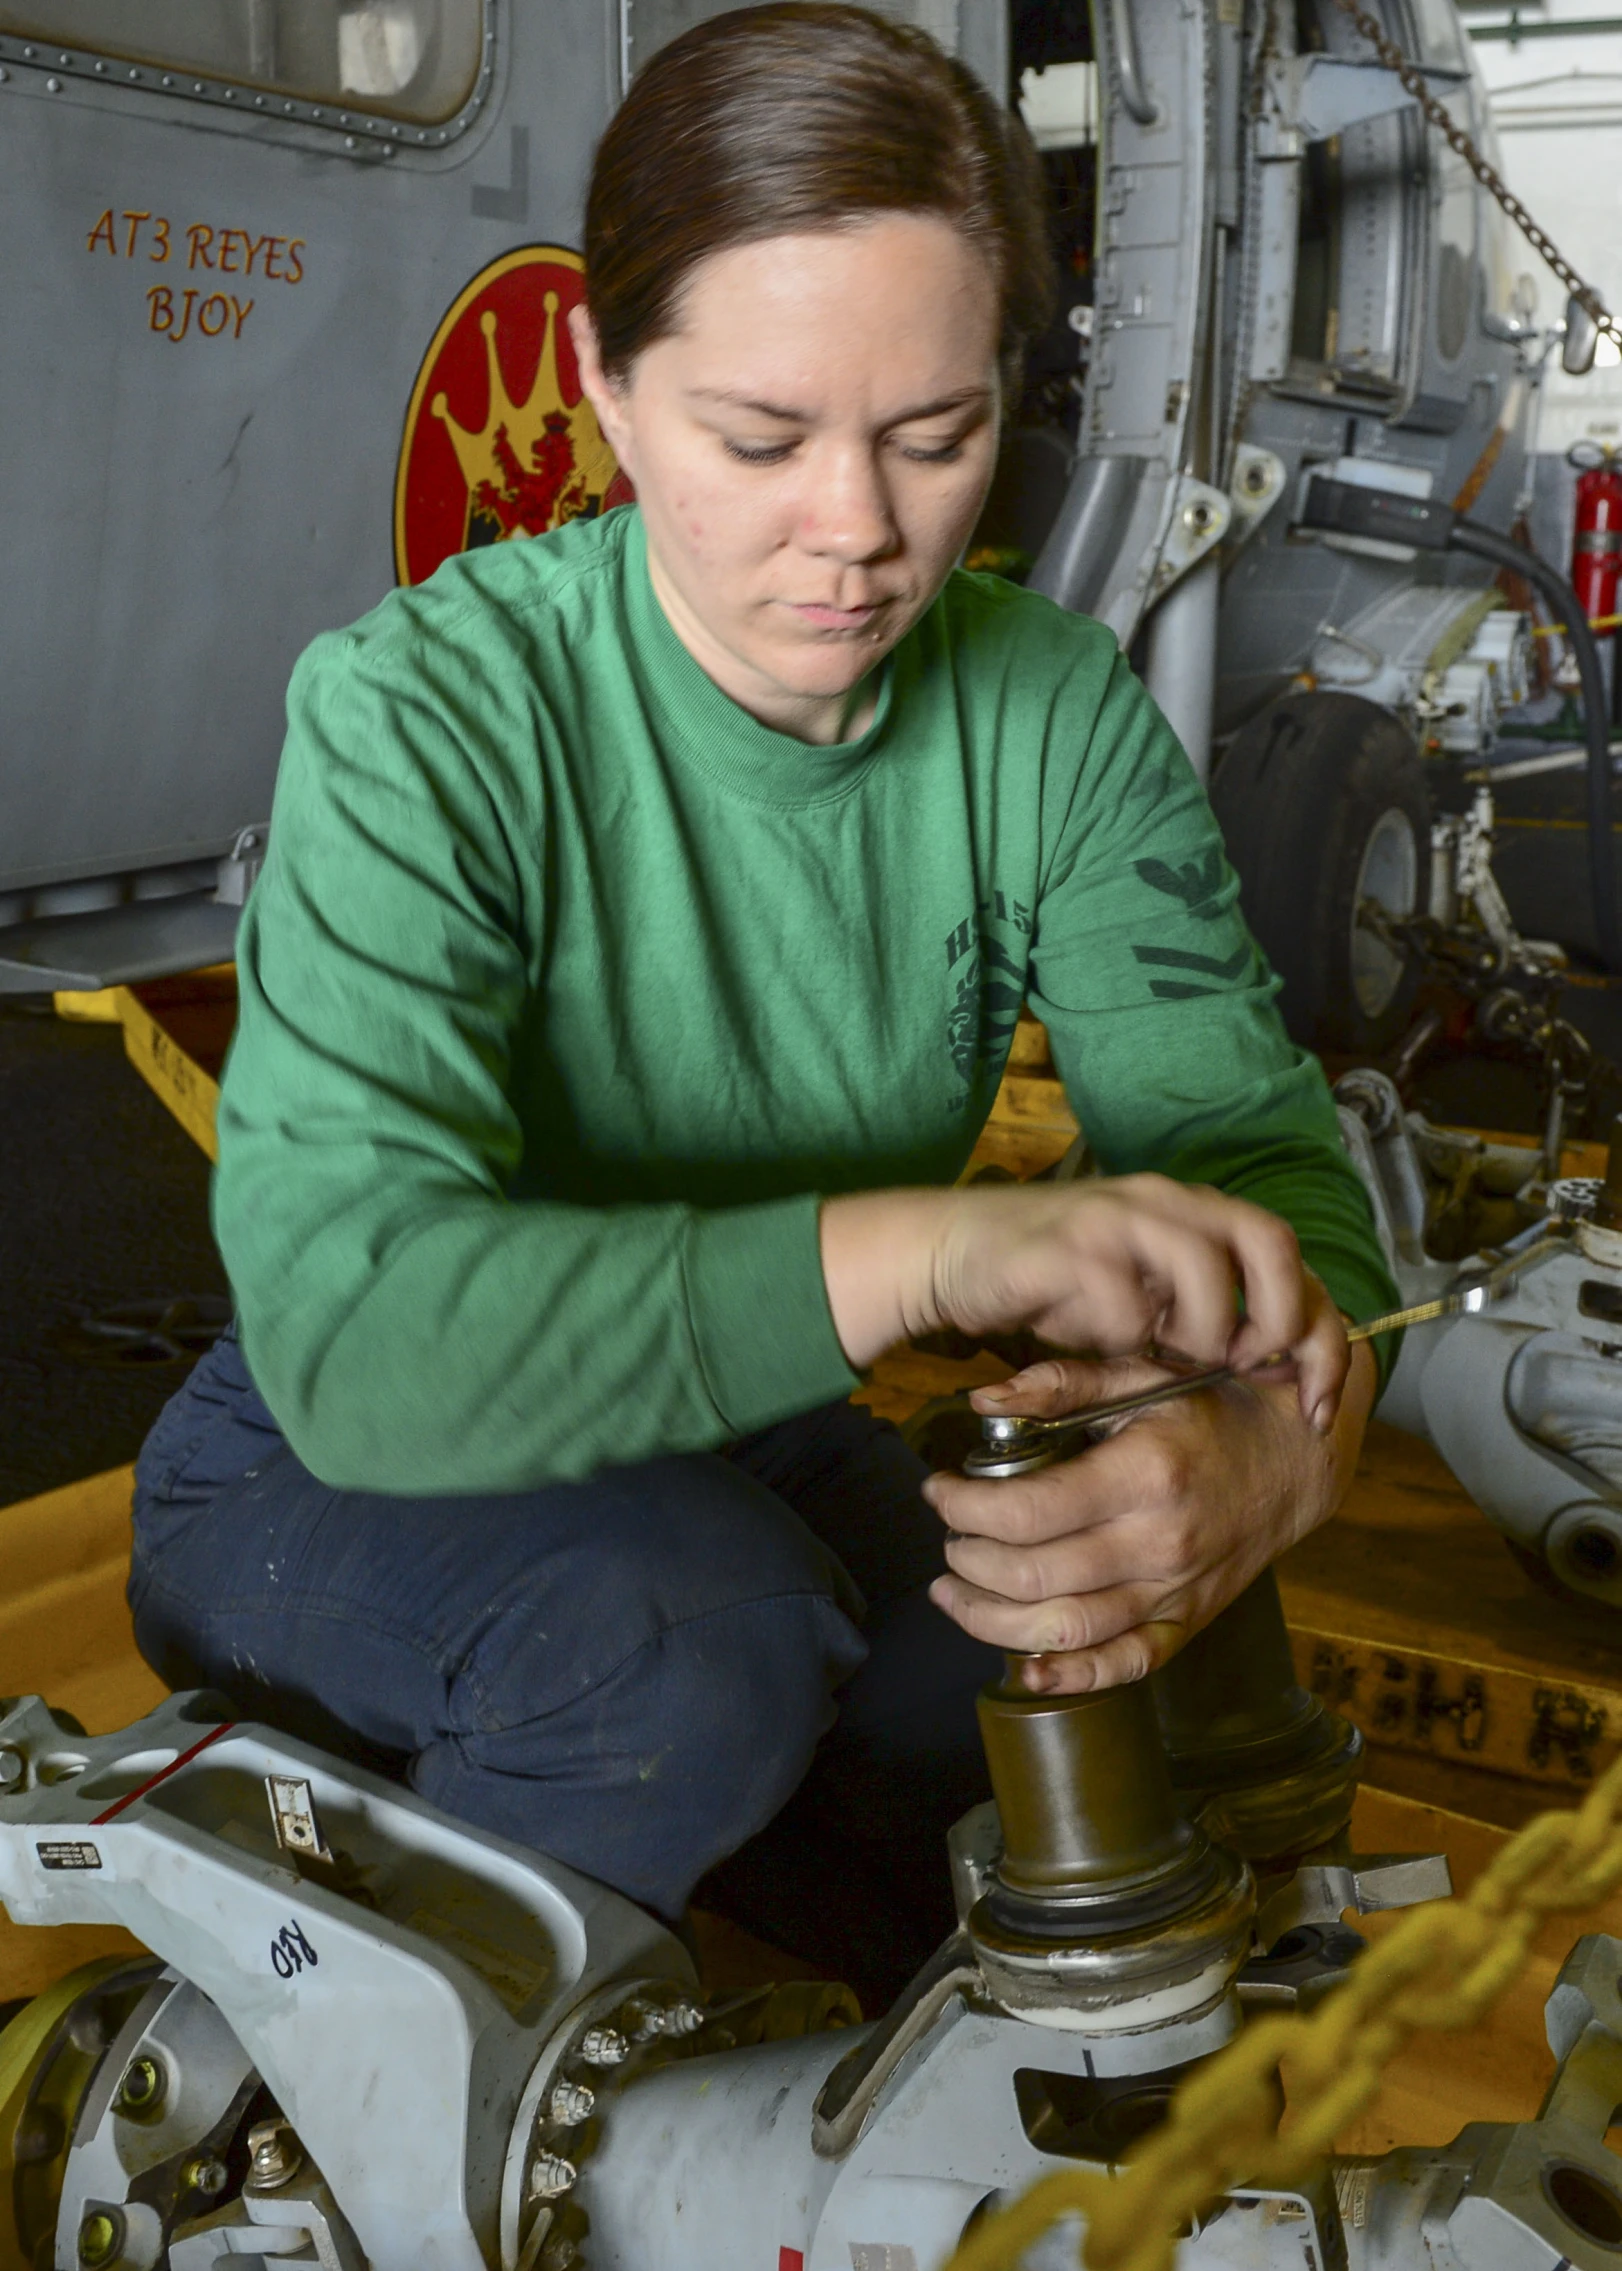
(878, 1264)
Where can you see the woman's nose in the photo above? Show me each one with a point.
(848, 513)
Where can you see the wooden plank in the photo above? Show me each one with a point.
(1499, 2070)
(65, 1629)
(1409, 1614)
(65, 1634)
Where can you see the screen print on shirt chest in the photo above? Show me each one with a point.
(808, 1034)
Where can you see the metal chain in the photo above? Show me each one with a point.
(1413, 82)
(1441, 1969)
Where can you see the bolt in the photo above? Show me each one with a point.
(275, 2155)
(571, 2102)
(13, 1766)
(550, 2176)
(101, 2236)
(141, 2090)
(206, 2175)
(604, 2046)
(1255, 479)
(681, 2018)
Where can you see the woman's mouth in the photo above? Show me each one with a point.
(818, 617)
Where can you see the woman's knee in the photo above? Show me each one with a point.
(676, 1755)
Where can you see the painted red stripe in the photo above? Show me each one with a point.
(162, 1775)
(790, 2259)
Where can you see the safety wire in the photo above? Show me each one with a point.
(1441, 1969)
(1413, 82)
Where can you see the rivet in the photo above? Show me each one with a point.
(167, 80)
(101, 69)
(135, 74)
(197, 87)
(289, 108)
(29, 54)
(66, 62)
(53, 86)
(258, 102)
(230, 94)
(350, 143)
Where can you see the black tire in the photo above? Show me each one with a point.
(1322, 800)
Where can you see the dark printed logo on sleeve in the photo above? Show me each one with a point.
(68, 1853)
(1198, 884)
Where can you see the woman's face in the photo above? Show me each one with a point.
(810, 447)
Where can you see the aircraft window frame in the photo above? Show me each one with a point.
(386, 127)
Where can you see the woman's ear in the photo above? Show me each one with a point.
(605, 396)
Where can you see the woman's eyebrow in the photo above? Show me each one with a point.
(963, 399)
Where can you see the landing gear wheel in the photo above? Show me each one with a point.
(1323, 803)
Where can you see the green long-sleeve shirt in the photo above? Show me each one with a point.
(569, 988)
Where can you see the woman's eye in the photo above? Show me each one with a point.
(932, 453)
(758, 453)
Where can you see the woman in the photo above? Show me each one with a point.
(646, 916)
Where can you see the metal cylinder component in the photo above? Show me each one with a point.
(1263, 1766)
(1181, 670)
(1082, 1789)
(604, 2046)
(1105, 1907)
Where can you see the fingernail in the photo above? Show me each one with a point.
(1323, 1417)
(929, 1491)
(998, 1395)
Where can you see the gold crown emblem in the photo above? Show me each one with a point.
(537, 463)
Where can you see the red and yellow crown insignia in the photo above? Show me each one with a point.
(509, 445)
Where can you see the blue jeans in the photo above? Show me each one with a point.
(719, 1667)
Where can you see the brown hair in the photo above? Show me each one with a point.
(794, 116)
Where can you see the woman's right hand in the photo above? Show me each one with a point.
(1109, 1266)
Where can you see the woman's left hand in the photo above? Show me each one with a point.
(1104, 1564)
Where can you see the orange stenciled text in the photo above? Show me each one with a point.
(209, 315)
(203, 310)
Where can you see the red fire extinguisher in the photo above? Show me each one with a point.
(1596, 544)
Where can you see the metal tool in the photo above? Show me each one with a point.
(1017, 1444)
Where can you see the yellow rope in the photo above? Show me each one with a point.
(1442, 1967)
